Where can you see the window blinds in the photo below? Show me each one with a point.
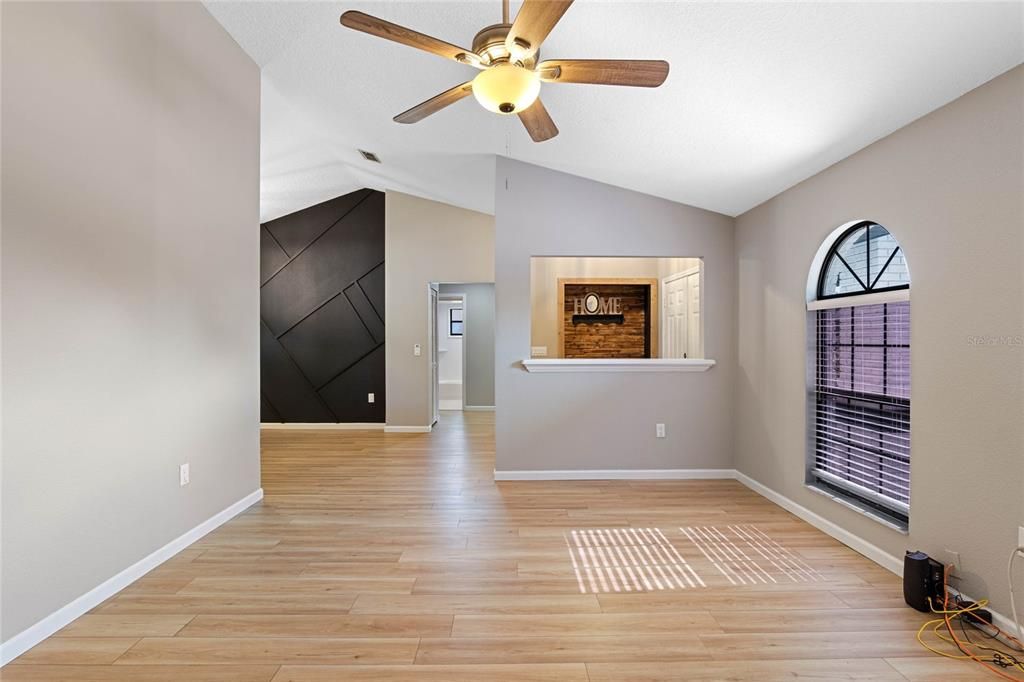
(862, 403)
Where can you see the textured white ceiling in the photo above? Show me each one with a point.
(759, 97)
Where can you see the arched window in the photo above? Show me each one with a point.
(859, 308)
(864, 259)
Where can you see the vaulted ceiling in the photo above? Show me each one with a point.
(760, 95)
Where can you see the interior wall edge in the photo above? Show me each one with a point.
(32, 635)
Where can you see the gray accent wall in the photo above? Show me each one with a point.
(424, 241)
(607, 421)
(478, 348)
(130, 300)
(950, 188)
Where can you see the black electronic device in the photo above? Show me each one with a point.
(923, 580)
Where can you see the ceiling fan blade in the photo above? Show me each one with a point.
(435, 103)
(534, 22)
(406, 36)
(538, 122)
(643, 73)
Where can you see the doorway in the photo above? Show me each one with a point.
(462, 352)
(451, 338)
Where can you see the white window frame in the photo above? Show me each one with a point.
(843, 492)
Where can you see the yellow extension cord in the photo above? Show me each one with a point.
(939, 623)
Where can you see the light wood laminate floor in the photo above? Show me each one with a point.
(396, 557)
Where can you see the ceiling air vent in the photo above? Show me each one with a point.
(369, 156)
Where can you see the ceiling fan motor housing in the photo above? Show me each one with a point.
(489, 44)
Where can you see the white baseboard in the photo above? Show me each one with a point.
(28, 638)
(1004, 623)
(613, 474)
(478, 408)
(407, 429)
(326, 426)
(449, 404)
(873, 552)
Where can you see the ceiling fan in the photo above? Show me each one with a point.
(507, 55)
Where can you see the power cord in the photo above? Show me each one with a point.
(998, 662)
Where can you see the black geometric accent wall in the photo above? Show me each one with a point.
(322, 312)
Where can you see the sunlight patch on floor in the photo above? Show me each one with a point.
(745, 555)
(628, 560)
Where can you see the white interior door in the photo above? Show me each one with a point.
(694, 333)
(680, 315)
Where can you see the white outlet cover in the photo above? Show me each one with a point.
(538, 351)
(417, 350)
(183, 475)
(370, 398)
(954, 559)
(659, 430)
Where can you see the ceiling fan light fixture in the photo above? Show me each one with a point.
(506, 88)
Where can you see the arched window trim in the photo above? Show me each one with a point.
(835, 242)
(889, 511)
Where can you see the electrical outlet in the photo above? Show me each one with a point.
(659, 430)
(183, 475)
(417, 350)
(538, 351)
(953, 557)
(369, 398)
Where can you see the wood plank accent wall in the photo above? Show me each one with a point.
(636, 337)
(322, 312)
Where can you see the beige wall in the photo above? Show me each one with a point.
(424, 241)
(949, 187)
(130, 291)
(607, 421)
(545, 272)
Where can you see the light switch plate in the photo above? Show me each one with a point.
(1020, 536)
(659, 430)
(369, 398)
(183, 475)
(417, 350)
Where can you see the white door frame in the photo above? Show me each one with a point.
(432, 298)
(699, 271)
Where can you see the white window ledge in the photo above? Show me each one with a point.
(617, 365)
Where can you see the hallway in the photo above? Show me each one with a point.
(396, 557)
